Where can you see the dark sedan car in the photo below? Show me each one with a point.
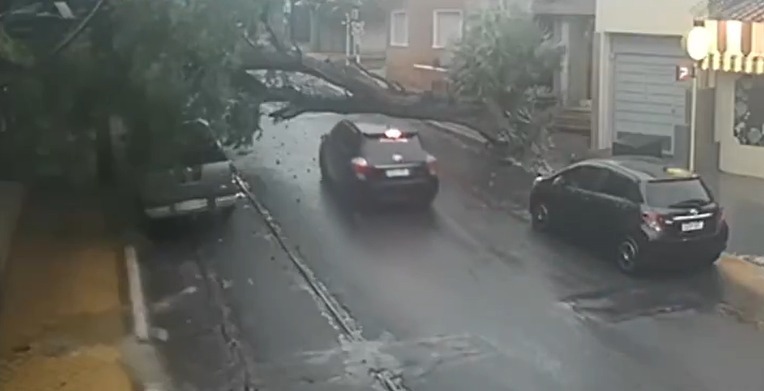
(649, 212)
(374, 162)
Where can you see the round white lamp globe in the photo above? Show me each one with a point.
(697, 43)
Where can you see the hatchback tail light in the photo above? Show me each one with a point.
(361, 167)
(653, 220)
(432, 165)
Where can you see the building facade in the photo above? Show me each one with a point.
(733, 75)
(637, 49)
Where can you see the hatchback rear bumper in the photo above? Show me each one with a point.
(691, 251)
(399, 189)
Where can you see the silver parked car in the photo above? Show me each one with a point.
(199, 179)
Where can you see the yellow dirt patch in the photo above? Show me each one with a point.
(61, 321)
(743, 287)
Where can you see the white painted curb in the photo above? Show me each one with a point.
(137, 299)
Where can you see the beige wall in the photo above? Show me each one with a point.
(656, 17)
(734, 158)
(400, 60)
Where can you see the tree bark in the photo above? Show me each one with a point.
(369, 93)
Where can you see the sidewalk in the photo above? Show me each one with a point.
(743, 201)
(11, 198)
(61, 323)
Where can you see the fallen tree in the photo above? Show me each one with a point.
(502, 61)
(162, 64)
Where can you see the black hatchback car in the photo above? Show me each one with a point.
(373, 162)
(649, 212)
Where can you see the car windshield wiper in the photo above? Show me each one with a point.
(691, 202)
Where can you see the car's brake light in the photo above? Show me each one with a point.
(653, 220)
(393, 133)
(360, 167)
(432, 165)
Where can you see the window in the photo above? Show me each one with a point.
(677, 193)
(584, 178)
(399, 28)
(447, 27)
(617, 185)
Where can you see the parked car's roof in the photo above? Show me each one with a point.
(643, 168)
(375, 129)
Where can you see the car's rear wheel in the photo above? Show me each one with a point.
(541, 217)
(322, 166)
(629, 255)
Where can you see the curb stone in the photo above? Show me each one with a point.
(140, 356)
(459, 130)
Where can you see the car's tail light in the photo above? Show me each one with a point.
(653, 220)
(361, 167)
(432, 165)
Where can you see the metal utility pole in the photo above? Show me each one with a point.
(693, 115)
(353, 31)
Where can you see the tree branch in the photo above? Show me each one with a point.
(368, 93)
(77, 30)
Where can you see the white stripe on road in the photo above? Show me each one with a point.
(137, 299)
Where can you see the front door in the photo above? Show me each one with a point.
(580, 187)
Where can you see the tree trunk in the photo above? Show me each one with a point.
(102, 45)
(104, 152)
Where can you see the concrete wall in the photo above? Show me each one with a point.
(734, 158)
(706, 147)
(656, 17)
(11, 201)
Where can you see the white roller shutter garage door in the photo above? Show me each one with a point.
(647, 98)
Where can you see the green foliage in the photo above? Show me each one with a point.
(181, 60)
(14, 51)
(506, 60)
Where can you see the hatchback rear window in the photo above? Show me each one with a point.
(677, 193)
(379, 149)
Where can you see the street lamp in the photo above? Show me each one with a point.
(697, 44)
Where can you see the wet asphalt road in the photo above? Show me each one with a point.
(464, 297)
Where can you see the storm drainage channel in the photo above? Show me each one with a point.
(346, 323)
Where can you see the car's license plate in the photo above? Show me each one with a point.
(191, 205)
(399, 172)
(692, 226)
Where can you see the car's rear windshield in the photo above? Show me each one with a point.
(381, 144)
(677, 193)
